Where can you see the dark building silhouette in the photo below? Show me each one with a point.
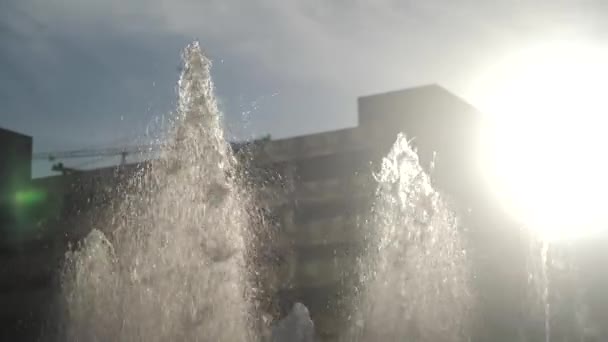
(15, 171)
(15, 158)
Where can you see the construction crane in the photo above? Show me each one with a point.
(122, 151)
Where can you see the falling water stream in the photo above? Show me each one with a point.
(545, 288)
(556, 288)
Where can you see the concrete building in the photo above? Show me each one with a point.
(325, 188)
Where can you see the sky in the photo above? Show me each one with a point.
(91, 73)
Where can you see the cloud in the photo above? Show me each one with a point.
(314, 40)
(332, 43)
(318, 55)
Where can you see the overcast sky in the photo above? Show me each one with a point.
(79, 73)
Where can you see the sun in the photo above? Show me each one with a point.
(546, 137)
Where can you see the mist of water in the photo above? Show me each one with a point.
(171, 263)
(556, 293)
(416, 275)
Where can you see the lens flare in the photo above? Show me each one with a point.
(544, 139)
(29, 197)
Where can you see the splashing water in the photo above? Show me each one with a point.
(416, 278)
(173, 266)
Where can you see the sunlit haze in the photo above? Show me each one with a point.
(545, 139)
(303, 170)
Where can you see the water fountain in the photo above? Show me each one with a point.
(172, 264)
(415, 276)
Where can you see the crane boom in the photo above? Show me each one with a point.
(96, 152)
(123, 151)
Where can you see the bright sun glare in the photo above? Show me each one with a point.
(546, 137)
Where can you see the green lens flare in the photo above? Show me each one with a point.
(29, 197)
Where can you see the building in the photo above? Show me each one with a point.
(15, 173)
(325, 189)
(16, 157)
